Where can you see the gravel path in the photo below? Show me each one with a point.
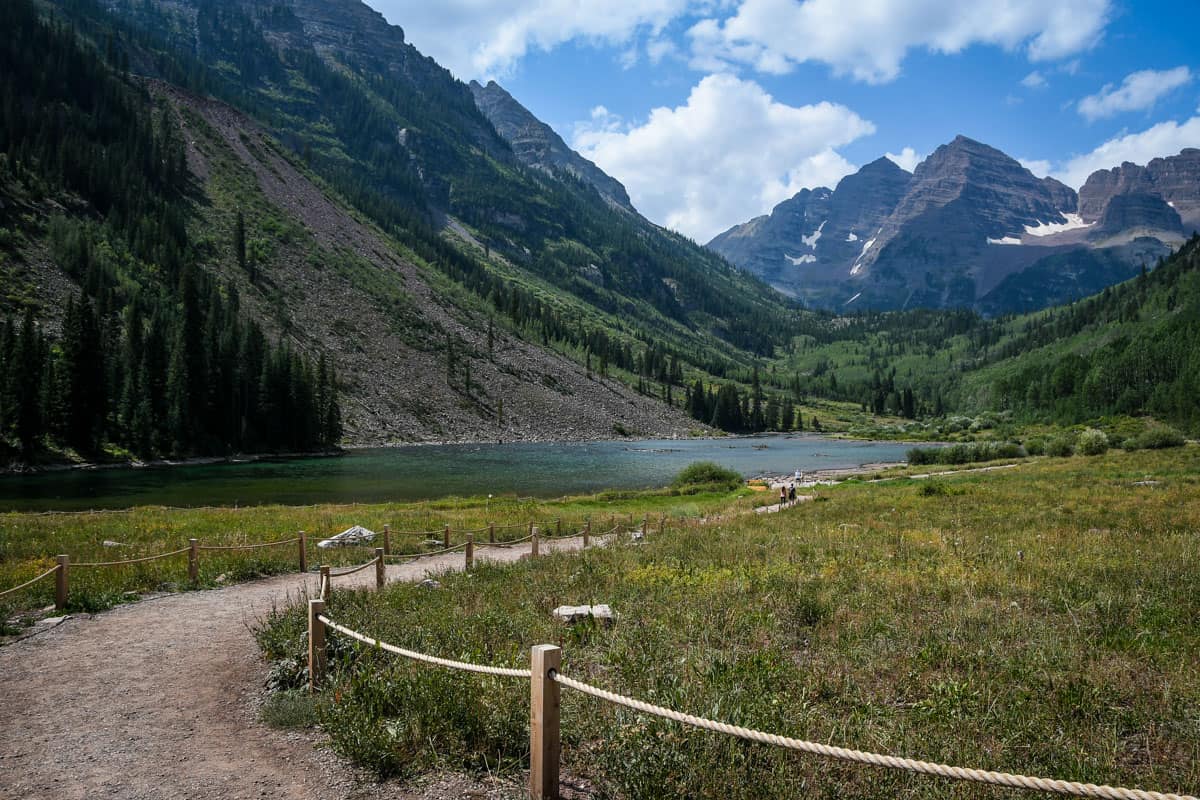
(159, 699)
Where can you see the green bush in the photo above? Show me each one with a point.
(1061, 446)
(706, 474)
(1035, 447)
(965, 453)
(1156, 437)
(1093, 442)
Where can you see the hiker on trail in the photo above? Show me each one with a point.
(792, 493)
(782, 496)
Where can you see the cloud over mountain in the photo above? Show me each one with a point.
(730, 152)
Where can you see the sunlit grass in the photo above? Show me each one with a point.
(1038, 620)
(29, 542)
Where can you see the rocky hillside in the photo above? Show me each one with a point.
(418, 367)
(970, 228)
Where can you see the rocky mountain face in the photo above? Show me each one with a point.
(536, 145)
(1175, 180)
(969, 222)
(801, 246)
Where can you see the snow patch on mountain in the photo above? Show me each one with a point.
(857, 268)
(1004, 240)
(850, 237)
(1074, 222)
(852, 299)
(804, 259)
(811, 241)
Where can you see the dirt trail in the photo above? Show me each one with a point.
(158, 699)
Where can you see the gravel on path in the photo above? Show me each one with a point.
(158, 700)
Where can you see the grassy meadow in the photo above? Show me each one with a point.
(1040, 620)
(29, 542)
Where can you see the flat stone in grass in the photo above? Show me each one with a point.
(572, 614)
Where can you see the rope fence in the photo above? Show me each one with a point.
(248, 546)
(31, 581)
(353, 570)
(462, 666)
(142, 560)
(545, 735)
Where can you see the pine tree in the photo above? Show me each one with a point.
(27, 380)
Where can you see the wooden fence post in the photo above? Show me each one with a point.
(533, 543)
(61, 582)
(531, 529)
(662, 523)
(587, 531)
(326, 583)
(544, 740)
(316, 644)
(194, 560)
(446, 536)
(558, 527)
(469, 553)
(491, 533)
(380, 568)
(387, 540)
(303, 552)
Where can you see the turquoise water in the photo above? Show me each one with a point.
(426, 472)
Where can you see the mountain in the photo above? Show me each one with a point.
(802, 245)
(536, 145)
(1174, 180)
(296, 181)
(970, 228)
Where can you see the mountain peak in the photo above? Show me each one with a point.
(883, 164)
(536, 144)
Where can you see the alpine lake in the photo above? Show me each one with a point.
(425, 472)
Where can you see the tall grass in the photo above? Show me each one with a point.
(1039, 620)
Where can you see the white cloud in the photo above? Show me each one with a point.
(868, 39)
(730, 153)
(486, 38)
(1164, 139)
(1034, 80)
(1038, 166)
(906, 158)
(1139, 90)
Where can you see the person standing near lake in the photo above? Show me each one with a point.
(782, 495)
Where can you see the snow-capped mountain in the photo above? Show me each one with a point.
(970, 227)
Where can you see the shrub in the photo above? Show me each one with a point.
(1035, 447)
(290, 709)
(1093, 442)
(922, 455)
(1156, 437)
(706, 474)
(965, 453)
(1061, 446)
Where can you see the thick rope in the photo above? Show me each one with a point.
(131, 560)
(441, 662)
(353, 570)
(45, 574)
(505, 544)
(247, 546)
(874, 759)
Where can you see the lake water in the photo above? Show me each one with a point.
(426, 472)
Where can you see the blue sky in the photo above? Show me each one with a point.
(712, 111)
